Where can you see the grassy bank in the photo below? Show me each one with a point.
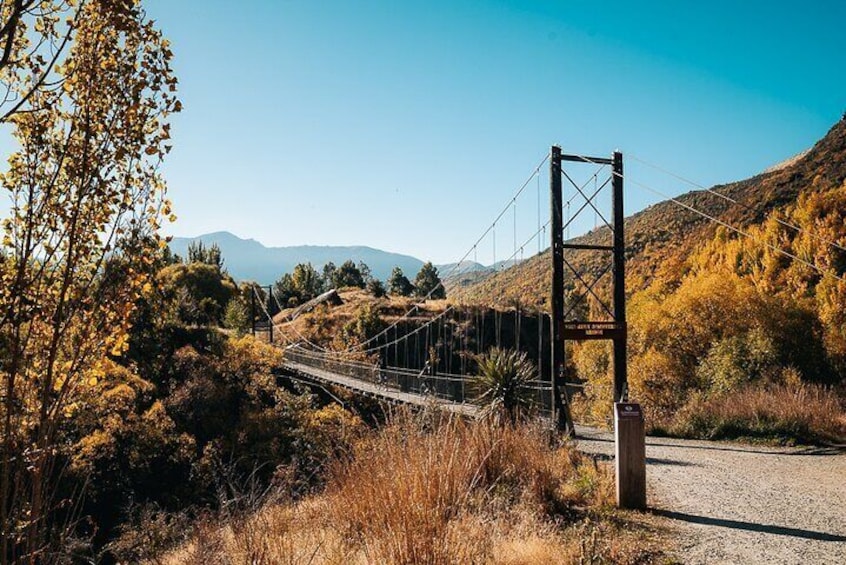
(781, 414)
(424, 491)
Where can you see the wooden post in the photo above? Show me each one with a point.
(630, 451)
(560, 408)
(619, 270)
(253, 311)
(269, 310)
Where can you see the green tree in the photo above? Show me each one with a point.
(427, 283)
(366, 273)
(236, 315)
(328, 276)
(305, 282)
(398, 283)
(366, 324)
(348, 275)
(376, 288)
(199, 253)
(284, 289)
(199, 291)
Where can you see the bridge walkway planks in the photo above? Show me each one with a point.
(378, 391)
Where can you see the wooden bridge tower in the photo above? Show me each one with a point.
(561, 328)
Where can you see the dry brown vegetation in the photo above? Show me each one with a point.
(783, 413)
(430, 491)
(325, 325)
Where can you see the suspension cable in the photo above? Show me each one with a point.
(741, 232)
(738, 202)
(457, 267)
(725, 224)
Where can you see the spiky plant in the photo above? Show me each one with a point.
(502, 382)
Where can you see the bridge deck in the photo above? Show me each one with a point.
(378, 391)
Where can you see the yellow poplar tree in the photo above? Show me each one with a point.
(88, 91)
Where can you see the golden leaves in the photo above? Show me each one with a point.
(86, 198)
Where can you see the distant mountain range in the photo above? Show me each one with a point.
(247, 259)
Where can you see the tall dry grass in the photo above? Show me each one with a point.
(403, 490)
(802, 413)
(439, 491)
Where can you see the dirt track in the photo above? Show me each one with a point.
(733, 503)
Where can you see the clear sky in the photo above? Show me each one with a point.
(407, 125)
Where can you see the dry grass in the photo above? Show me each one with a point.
(402, 493)
(785, 413)
(423, 491)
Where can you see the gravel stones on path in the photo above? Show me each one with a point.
(741, 504)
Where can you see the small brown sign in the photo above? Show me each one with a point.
(593, 330)
(628, 410)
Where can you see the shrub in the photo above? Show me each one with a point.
(376, 288)
(438, 491)
(736, 361)
(802, 413)
(236, 316)
(199, 291)
(366, 324)
(502, 382)
(713, 334)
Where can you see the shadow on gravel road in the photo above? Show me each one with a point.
(749, 526)
(649, 460)
(662, 441)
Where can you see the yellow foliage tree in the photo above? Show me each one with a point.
(87, 201)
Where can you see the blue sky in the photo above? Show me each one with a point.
(408, 125)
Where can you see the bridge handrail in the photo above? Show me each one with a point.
(449, 386)
(534, 383)
(298, 351)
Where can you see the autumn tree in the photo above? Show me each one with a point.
(33, 41)
(427, 283)
(306, 281)
(88, 91)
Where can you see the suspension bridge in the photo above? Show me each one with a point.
(429, 357)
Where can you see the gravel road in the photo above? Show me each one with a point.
(735, 503)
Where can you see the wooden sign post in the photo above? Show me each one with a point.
(630, 445)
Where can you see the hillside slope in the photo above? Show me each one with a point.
(661, 237)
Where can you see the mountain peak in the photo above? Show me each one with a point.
(248, 259)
